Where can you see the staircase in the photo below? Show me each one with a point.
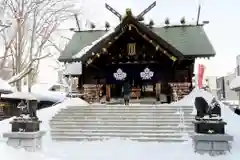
(136, 122)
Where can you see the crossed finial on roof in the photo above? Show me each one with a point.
(140, 16)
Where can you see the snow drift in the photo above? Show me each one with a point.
(118, 149)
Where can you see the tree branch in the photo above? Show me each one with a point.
(26, 70)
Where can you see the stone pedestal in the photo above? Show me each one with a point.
(25, 125)
(30, 141)
(213, 144)
(210, 127)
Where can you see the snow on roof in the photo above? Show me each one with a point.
(235, 83)
(5, 87)
(19, 95)
(87, 48)
(74, 68)
(43, 93)
(45, 86)
(51, 96)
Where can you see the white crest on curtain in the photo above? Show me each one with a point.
(146, 74)
(120, 75)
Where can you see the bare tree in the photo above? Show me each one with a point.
(33, 24)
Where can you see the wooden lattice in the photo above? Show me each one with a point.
(92, 93)
(180, 90)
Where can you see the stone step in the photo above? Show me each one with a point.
(97, 138)
(79, 130)
(135, 106)
(125, 135)
(63, 116)
(122, 112)
(121, 120)
(129, 116)
(119, 127)
(119, 123)
(127, 108)
(115, 114)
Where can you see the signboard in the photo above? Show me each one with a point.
(74, 68)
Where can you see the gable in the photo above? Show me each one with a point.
(189, 41)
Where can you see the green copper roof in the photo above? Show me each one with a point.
(191, 41)
(79, 41)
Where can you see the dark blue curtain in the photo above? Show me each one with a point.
(133, 72)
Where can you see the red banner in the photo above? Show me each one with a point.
(201, 69)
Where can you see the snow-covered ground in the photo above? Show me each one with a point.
(117, 148)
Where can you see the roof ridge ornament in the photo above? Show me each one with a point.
(129, 12)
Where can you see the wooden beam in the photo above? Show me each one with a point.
(173, 58)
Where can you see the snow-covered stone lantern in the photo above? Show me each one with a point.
(25, 129)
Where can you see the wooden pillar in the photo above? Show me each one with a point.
(108, 92)
(192, 69)
(158, 91)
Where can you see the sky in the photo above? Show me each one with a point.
(223, 29)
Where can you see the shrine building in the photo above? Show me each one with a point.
(157, 62)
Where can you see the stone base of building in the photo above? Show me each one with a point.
(30, 141)
(213, 144)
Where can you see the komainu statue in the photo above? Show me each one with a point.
(204, 109)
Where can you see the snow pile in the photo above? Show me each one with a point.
(50, 96)
(117, 149)
(42, 91)
(5, 87)
(230, 102)
(46, 114)
(9, 153)
(20, 95)
(189, 99)
(235, 83)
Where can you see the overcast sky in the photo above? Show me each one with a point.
(223, 29)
